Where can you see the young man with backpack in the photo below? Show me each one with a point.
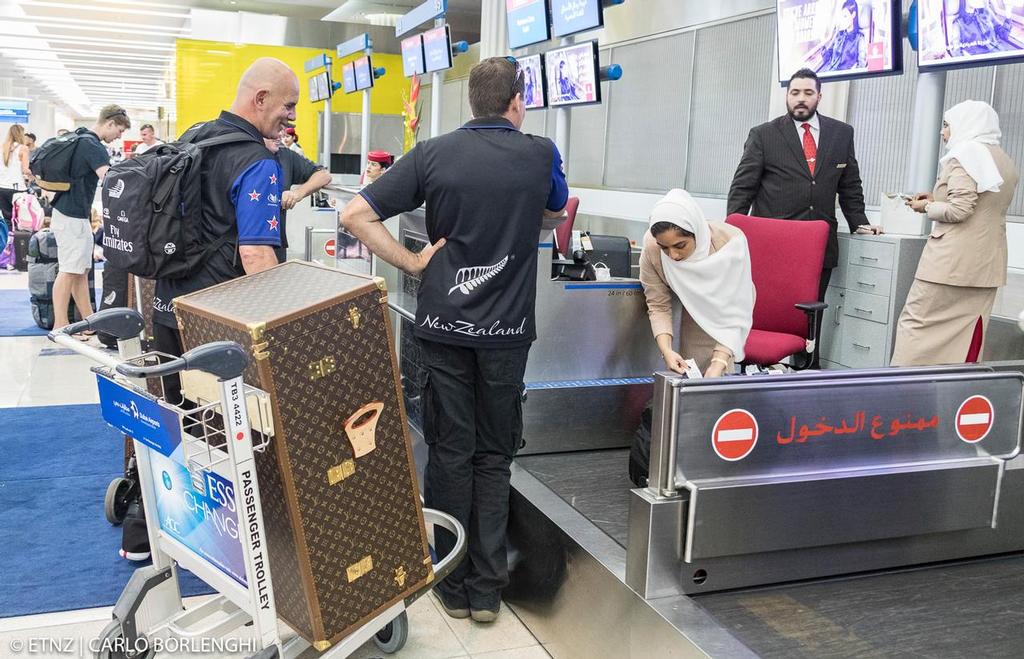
(86, 167)
(240, 191)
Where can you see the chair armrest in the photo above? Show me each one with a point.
(811, 307)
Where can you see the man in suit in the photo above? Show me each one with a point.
(794, 167)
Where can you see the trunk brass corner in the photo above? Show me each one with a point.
(256, 331)
(382, 284)
(359, 568)
(338, 473)
(320, 646)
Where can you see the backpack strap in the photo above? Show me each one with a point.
(227, 138)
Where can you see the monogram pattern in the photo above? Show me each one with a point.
(375, 512)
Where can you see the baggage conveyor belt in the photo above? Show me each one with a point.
(959, 609)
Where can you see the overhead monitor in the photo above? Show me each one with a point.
(839, 39)
(364, 72)
(572, 16)
(573, 75)
(14, 110)
(969, 32)
(527, 22)
(314, 91)
(320, 87)
(412, 56)
(437, 48)
(348, 78)
(534, 92)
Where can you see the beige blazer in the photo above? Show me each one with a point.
(694, 342)
(967, 244)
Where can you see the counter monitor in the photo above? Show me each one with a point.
(527, 22)
(534, 92)
(364, 72)
(437, 48)
(572, 16)
(348, 78)
(969, 32)
(412, 56)
(573, 75)
(839, 39)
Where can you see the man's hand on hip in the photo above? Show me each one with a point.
(422, 258)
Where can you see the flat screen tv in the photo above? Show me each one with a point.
(573, 75)
(314, 91)
(534, 92)
(364, 72)
(527, 22)
(962, 33)
(412, 56)
(348, 78)
(437, 49)
(573, 16)
(839, 39)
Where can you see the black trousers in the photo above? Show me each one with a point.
(826, 275)
(473, 425)
(168, 340)
(7, 205)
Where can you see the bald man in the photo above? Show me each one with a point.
(241, 190)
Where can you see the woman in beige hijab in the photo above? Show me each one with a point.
(964, 260)
(706, 266)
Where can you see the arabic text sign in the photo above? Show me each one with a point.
(824, 425)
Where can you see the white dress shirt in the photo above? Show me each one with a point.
(815, 128)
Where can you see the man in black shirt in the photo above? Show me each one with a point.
(241, 193)
(295, 169)
(72, 210)
(486, 187)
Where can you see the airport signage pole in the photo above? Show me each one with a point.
(929, 98)
(364, 44)
(431, 10)
(323, 61)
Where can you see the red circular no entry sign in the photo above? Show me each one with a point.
(329, 247)
(974, 419)
(734, 435)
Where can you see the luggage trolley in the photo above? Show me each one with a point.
(192, 452)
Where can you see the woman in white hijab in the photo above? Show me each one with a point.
(964, 261)
(706, 266)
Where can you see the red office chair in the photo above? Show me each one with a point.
(785, 262)
(563, 232)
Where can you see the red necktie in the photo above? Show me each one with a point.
(810, 148)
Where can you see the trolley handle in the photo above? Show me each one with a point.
(119, 322)
(225, 359)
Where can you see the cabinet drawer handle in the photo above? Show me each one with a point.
(867, 311)
(864, 283)
(868, 258)
(862, 347)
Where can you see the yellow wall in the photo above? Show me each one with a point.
(208, 74)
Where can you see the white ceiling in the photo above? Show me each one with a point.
(83, 54)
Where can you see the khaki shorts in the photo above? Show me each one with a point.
(74, 243)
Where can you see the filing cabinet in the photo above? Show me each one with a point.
(865, 296)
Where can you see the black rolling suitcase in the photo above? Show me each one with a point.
(21, 240)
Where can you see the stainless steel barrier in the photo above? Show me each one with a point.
(749, 473)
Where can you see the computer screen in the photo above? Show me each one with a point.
(364, 72)
(527, 22)
(437, 49)
(572, 75)
(839, 39)
(314, 92)
(412, 56)
(969, 32)
(572, 16)
(323, 86)
(348, 78)
(533, 81)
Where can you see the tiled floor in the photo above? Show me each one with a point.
(33, 372)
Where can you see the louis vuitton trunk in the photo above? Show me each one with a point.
(345, 528)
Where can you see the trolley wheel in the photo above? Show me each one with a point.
(392, 638)
(115, 503)
(110, 644)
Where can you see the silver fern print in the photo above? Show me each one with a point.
(466, 279)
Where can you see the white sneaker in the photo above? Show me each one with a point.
(137, 556)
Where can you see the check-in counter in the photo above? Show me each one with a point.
(589, 372)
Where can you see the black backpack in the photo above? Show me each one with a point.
(152, 210)
(53, 163)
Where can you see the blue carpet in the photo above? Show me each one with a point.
(57, 550)
(16, 315)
